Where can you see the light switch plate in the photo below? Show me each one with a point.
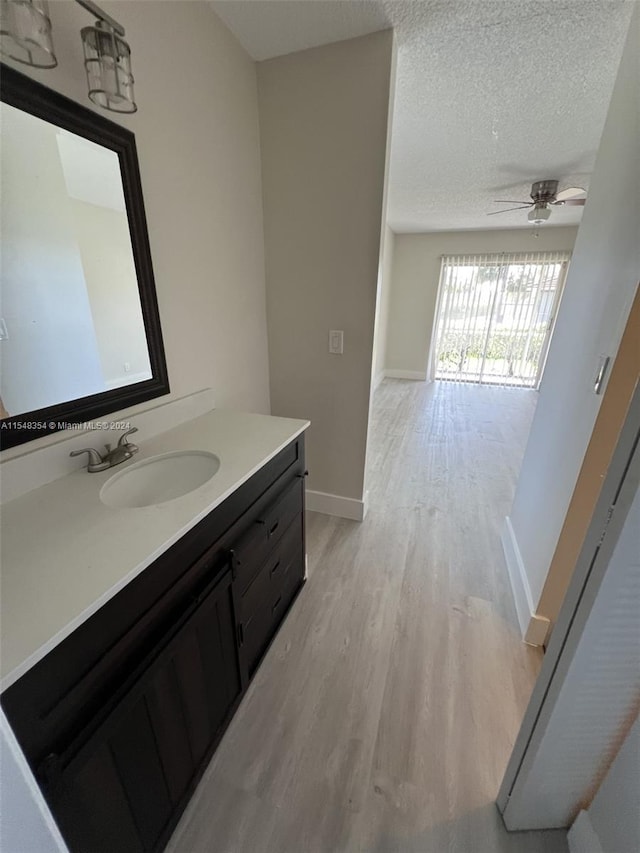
(336, 342)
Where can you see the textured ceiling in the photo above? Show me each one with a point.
(491, 94)
(268, 28)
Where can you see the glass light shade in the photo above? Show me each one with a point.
(539, 213)
(107, 60)
(25, 32)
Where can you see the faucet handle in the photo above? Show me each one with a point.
(122, 441)
(96, 462)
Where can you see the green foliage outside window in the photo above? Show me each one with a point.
(457, 348)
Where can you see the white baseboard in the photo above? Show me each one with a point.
(420, 375)
(582, 837)
(336, 505)
(537, 630)
(378, 379)
(534, 627)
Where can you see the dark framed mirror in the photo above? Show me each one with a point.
(80, 332)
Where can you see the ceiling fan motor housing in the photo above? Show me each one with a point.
(544, 194)
(542, 191)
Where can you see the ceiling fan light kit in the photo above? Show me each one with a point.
(539, 213)
(544, 194)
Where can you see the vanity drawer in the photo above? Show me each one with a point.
(251, 550)
(271, 575)
(267, 599)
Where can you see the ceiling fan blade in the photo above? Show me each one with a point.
(510, 201)
(571, 201)
(508, 210)
(570, 192)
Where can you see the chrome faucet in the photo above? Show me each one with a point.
(121, 452)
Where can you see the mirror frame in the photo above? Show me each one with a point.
(27, 95)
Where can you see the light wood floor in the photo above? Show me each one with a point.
(383, 716)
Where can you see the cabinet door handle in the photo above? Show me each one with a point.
(275, 606)
(274, 569)
(240, 634)
(302, 476)
(274, 528)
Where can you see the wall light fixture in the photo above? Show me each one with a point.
(25, 35)
(25, 32)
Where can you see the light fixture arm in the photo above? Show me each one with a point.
(98, 13)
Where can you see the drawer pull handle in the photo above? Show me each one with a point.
(274, 569)
(275, 606)
(235, 562)
(274, 528)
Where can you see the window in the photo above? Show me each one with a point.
(495, 316)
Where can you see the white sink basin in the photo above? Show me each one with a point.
(159, 479)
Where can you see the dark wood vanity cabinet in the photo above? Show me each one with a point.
(120, 789)
(119, 721)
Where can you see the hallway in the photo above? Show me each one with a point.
(383, 716)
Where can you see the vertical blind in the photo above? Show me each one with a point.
(495, 316)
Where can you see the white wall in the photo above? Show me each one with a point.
(416, 275)
(615, 811)
(43, 293)
(598, 292)
(323, 123)
(384, 301)
(198, 144)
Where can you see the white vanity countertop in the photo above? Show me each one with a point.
(64, 553)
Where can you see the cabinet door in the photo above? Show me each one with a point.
(123, 789)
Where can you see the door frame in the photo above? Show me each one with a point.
(616, 496)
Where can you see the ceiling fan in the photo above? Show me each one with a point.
(544, 194)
